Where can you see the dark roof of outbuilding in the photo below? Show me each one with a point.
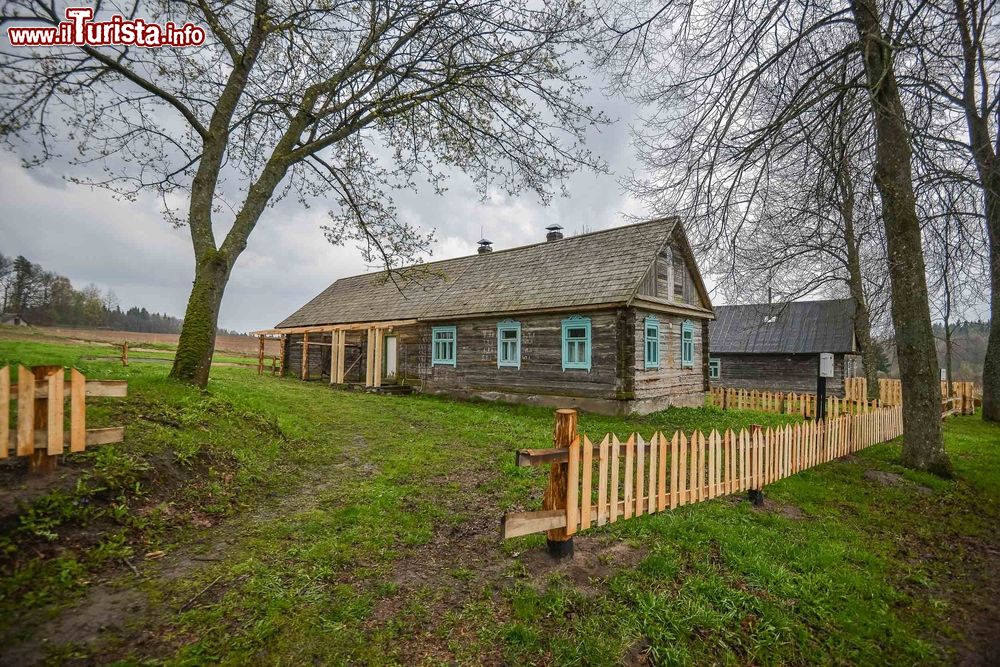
(589, 269)
(799, 327)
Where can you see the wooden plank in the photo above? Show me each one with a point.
(682, 493)
(93, 389)
(25, 411)
(602, 483)
(615, 447)
(701, 466)
(588, 475)
(4, 411)
(692, 482)
(55, 413)
(713, 468)
(652, 490)
(674, 486)
(662, 483)
(629, 473)
(304, 372)
(77, 411)
(573, 487)
(93, 436)
(379, 343)
(640, 473)
(526, 523)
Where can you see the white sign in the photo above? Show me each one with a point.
(826, 365)
(944, 375)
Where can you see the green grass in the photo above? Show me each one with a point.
(340, 527)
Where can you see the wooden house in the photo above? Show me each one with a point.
(776, 346)
(614, 321)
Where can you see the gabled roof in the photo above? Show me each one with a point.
(799, 327)
(602, 267)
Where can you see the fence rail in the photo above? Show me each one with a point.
(615, 480)
(40, 431)
(961, 400)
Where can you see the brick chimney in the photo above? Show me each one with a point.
(485, 246)
(554, 233)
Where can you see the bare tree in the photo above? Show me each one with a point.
(954, 74)
(734, 85)
(343, 101)
(957, 257)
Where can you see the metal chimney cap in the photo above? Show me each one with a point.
(485, 242)
(554, 228)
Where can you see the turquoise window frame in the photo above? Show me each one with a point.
(687, 344)
(508, 325)
(714, 368)
(581, 361)
(440, 360)
(651, 342)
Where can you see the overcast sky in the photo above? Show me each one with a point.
(90, 237)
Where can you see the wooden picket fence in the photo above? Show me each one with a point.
(40, 431)
(786, 403)
(616, 480)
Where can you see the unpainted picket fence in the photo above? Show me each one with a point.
(40, 433)
(619, 479)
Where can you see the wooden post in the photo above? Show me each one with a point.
(260, 356)
(125, 353)
(281, 355)
(334, 349)
(304, 374)
(40, 461)
(377, 361)
(369, 357)
(341, 356)
(560, 544)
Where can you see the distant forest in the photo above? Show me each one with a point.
(968, 342)
(45, 298)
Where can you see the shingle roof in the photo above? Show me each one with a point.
(595, 268)
(799, 327)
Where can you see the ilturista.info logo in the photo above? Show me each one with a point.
(80, 29)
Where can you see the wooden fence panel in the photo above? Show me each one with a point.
(54, 418)
(602, 483)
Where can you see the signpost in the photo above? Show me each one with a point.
(825, 371)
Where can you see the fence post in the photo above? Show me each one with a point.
(40, 461)
(560, 544)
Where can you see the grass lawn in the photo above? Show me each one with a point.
(271, 521)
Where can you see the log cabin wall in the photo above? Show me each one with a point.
(779, 372)
(541, 372)
(671, 383)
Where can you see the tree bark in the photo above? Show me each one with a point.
(923, 443)
(855, 284)
(193, 361)
(983, 153)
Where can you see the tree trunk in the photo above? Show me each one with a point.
(193, 361)
(855, 284)
(984, 155)
(923, 444)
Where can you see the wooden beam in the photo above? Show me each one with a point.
(93, 388)
(93, 436)
(281, 356)
(25, 411)
(327, 328)
(334, 349)
(260, 355)
(535, 457)
(377, 374)
(54, 424)
(369, 357)
(77, 411)
(341, 358)
(304, 373)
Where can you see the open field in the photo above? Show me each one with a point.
(271, 521)
(241, 345)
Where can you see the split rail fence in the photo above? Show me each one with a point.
(40, 431)
(599, 484)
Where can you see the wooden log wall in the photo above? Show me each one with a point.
(777, 372)
(671, 378)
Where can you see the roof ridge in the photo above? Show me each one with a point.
(783, 303)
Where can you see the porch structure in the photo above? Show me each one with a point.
(372, 333)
